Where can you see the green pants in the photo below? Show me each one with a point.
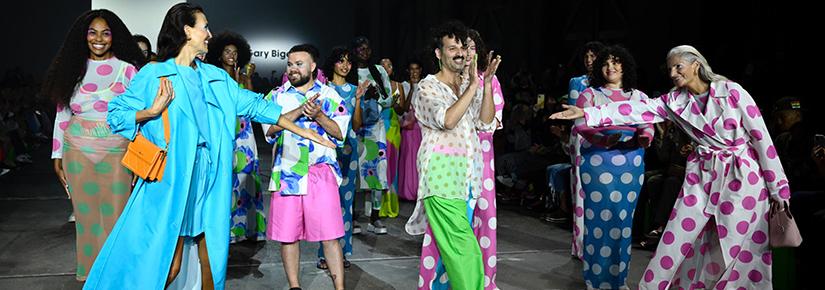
(456, 242)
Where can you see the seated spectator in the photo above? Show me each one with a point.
(801, 148)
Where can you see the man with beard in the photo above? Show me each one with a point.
(372, 143)
(451, 110)
(305, 203)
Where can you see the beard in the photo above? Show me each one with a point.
(299, 80)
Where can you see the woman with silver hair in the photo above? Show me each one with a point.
(717, 236)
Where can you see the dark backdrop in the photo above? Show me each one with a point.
(767, 46)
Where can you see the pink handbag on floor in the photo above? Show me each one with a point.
(783, 230)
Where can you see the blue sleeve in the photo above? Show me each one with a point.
(252, 105)
(123, 108)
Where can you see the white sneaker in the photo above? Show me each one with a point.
(356, 229)
(71, 218)
(377, 228)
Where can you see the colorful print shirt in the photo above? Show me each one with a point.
(295, 154)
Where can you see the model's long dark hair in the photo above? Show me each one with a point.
(172, 38)
(69, 65)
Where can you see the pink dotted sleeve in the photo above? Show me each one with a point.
(61, 122)
(593, 136)
(498, 99)
(631, 112)
(760, 141)
(645, 131)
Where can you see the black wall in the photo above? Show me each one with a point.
(33, 32)
(765, 45)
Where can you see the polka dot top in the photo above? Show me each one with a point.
(104, 80)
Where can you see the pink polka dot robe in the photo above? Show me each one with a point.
(717, 236)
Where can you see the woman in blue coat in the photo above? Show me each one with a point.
(191, 202)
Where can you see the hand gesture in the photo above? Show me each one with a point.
(570, 113)
(311, 109)
(165, 96)
(778, 205)
(492, 67)
(473, 71)
(317, 138)
(61, 176)
(362, 88)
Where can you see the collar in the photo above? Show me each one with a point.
(290, 89)
(719, 89)
(207, 71)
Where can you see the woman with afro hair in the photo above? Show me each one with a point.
(96, 63)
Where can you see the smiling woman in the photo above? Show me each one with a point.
(603, 151)
(96, 63)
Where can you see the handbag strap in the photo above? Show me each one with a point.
(165, 116)
(166, 127)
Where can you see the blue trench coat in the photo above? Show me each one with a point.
(139, 249)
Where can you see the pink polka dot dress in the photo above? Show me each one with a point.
(607, 182)
(717, 236)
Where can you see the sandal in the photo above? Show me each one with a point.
(649, 243)
(322, 264)
(654, 234)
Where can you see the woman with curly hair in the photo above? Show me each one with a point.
(609, 173)
(230, 51)
(342, 80)
(95, 64)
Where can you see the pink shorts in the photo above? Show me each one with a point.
(313, 217)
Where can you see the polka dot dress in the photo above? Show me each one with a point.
(611, 182)
(348, 161)
(607, 182)
(91, 155)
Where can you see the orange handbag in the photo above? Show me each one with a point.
(144, 158)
